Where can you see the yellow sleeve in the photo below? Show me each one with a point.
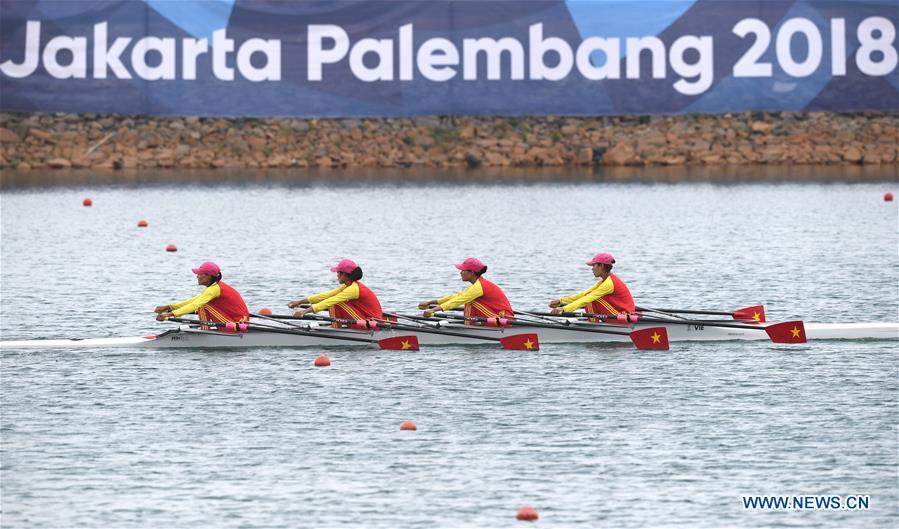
(315, 298)
(600, 289)
(344, 293)
(461, 298)
(572, 297)
(189, 306)
(447, 297)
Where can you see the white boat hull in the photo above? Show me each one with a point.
(322, 336)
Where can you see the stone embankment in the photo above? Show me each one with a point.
(38, 141)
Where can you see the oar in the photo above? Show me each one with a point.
(365, 325)
(411, 317)
(396, 343)
(784, 332)
(438, 322)
(519, 342)
(538, 315)
(406, 341)
(754, 313)
(282, 319)
(498, 321)
(649, 338)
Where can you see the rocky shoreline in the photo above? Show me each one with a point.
(113, 142)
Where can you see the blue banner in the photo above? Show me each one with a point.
(405, 58)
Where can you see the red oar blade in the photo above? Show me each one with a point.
(521, 342)
(787, 332)
(756, 314)
(400, 343)
(651, 338)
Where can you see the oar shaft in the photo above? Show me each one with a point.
(269, 328)
(706, 323)
(649, 319)
(473, 318)
(538, 315)
(412, 317)
(423, 329)
(577, 329)
(431, 330)
(289, 317)
(272, 318)
(524, 341)
(282, 320)
(684, 311)
(552, 326)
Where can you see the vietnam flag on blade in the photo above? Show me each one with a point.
(787, 332)
(754, 314)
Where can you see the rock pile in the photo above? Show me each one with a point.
(30, 141)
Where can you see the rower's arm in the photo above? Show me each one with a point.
(321, 296)
(600, 289)
(568, 299)
(189, 306)
(447, 297)
(345, 293)
(461, 298)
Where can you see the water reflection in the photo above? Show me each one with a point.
(10, 179)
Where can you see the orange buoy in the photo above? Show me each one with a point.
(142, 223)
(171, 248)
(322, 361)
(888, 197)
(408, 425)
(87, 202)
(265, 311)
(527, 514)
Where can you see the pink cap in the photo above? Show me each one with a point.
(345, 265)
(471, 264)
(602, 258)
(209, 268)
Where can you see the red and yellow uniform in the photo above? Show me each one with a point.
(353, 302)
(482, 299)
(608, 296)
(218, 302)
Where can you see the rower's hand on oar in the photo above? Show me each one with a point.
(163, 308)
(164, 315)
(555, 303)
(426, 304)
(556, 311)
(297, 303)
(430, 312)
(302, 312)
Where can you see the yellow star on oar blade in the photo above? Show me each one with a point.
(756, 316)
(405, 345)
(528, 344)
(656, 337)
(796, 332)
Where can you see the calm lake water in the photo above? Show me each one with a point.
(591, 436)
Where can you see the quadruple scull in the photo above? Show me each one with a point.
(448, 329)
(357, 320)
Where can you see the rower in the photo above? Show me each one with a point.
(218, 302)
(608, 296)
(351, 300)
(482, 299)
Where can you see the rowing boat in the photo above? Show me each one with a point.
(322, 335)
